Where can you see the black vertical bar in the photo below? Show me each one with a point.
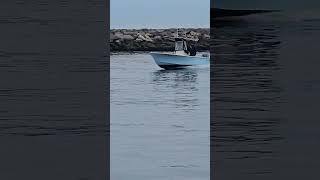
(265, 90)
(54, 74)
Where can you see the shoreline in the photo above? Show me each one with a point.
(139, 40)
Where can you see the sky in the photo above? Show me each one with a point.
(187, 13)
(159, 13)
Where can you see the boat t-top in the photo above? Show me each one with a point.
(184, 54)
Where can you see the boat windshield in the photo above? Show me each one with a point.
(179, 46)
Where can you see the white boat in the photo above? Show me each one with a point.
(185, 54)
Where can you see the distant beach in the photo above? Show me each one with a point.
(155, 39)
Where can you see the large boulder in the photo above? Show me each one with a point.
(118, 35)
(192, 33)
(157, 38)
(112, 37)
(128, 37)
(143, 38)
(147, 38)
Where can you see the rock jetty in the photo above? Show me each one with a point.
(155, 39)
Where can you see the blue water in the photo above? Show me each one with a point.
(159, 120)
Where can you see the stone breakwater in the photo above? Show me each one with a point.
(155, 39)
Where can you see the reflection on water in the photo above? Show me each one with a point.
(183, 82)
(245, 96)
(159, 120)
(179, 76)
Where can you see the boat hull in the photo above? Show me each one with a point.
(172, 61)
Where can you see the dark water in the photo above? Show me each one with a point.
(159, 120)
(265, 97)
(53, 74)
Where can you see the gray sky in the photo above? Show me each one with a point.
(159, 13)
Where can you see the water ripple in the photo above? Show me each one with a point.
(245, 95)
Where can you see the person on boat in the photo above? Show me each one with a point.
(191, 48)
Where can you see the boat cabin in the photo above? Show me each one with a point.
(184, 46)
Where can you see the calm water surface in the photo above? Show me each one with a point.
(159, 120)
(265, 97)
